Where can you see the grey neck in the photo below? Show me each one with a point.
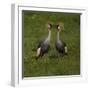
(58, 37)
(49, 36)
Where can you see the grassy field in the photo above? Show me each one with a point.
(34, 30)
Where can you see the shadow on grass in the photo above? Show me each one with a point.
(50, 57)
(53, 56)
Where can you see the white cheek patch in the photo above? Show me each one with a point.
(48, 26)
(38, 51)
(58, 27)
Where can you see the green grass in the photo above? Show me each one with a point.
(34, 30)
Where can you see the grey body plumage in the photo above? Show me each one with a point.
(60, 45)
(43, 46)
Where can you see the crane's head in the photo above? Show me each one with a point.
(60, 27)
(49, 26)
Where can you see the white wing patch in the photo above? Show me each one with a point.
(65, 49)
(38, 51)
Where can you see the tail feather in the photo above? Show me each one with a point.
(38, 53)
(66, 50)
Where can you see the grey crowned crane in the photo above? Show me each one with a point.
(60, 45)
(43, 46)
